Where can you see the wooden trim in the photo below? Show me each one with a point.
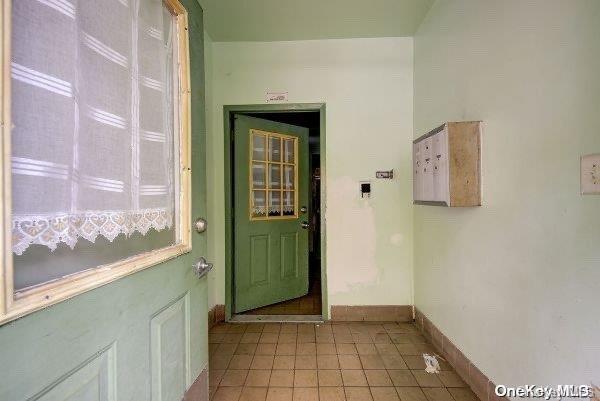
(372, 313)
(17, 304)
(481, 385)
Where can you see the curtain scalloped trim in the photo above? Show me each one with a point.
(50, 230)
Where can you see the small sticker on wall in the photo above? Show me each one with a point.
(590, 174)
(277, 97)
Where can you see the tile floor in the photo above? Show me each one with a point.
(310, 304)
(326, 362)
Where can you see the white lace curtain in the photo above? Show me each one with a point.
(93, 121)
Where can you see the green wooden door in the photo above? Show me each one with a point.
(271, 205)
(141, 338)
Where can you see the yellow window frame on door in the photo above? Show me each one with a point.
(267, 162)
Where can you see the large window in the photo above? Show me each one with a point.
(95, 144)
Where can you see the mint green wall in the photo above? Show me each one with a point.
(515, 283)
(43, 347)
(367, 87)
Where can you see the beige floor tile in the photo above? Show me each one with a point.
(306, 349)
(306, 362)
(387, 349)
(349, 362)
(411, 394)
(284, 362)
(437, 394)
(212, 391)
(384, 394)
(415, 362)
(280, 394)
(306, 328)
(227, 348)
(463, 394)
(282, 378)
(408, 349)
(326, 349)
(246, 348)
(289, 328)
(286, 349)
(425, 348)
(250, 338)
(212, 348)
(255, 328)
(330, 378)
(287, 338)
(305, 378)
(219, 361)
(215, 338)
(265, 349)
(237, 328)
(346, 349)
(324, 338)
(400, 338)
(253, 394)
(450, 379)
(378, 378)
(233, 378)
(427, 379)
(272, 328)
(306, 338)
(219, 328)
(332, 394)
(327, 362)
(402, 378)
(240, 362)
(354, 378)
(262, 362)
(366, 349)
(215, 376)
(358, 394)
(372, 362)
(268, 337)
(227, 394)
(362, 338)
(258, 378)
(393, 362)
(343, 338)
(306, 394)
(232, 338)
(381, 338)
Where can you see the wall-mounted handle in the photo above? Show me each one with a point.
(201, 267)
(305, 225)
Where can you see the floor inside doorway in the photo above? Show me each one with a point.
(309, 304)
(327, 362)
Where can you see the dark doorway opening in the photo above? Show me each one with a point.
(311, 303)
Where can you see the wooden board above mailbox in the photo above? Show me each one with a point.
(447, 165)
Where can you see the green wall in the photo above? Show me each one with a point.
(366, 85)
(43, 347)
(515, 283)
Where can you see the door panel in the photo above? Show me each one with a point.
(270, 186)
(103, 344)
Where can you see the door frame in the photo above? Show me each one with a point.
(228, 113)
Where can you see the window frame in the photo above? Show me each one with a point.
(268, 135)
(17, 304)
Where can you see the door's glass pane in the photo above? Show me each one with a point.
(275, 149)
(274, 203)
(259, 145)
(288, 203)
(259, 175)
(288, 177)
(275, 176)
(259, 204)
(289, 150)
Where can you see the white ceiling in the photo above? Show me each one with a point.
(275, 20)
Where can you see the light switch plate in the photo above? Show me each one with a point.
(590, 174)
